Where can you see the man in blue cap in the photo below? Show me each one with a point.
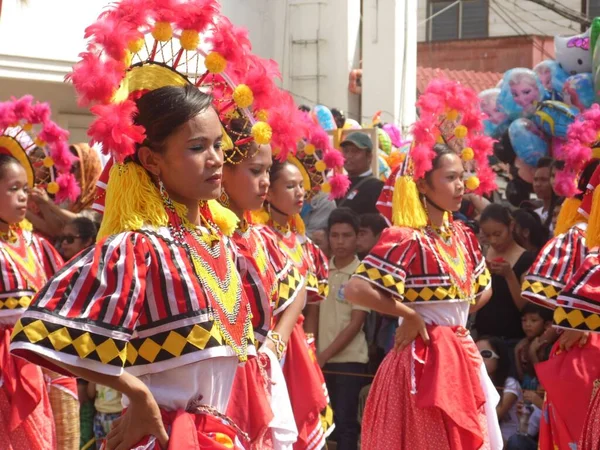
(365, 188)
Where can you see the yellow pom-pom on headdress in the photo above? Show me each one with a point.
(48, 162)
(52, 188)
(326, 188)
(472, 183)
(136, 45)
(39, 142)
(467, 154)
(215, 63)
(461, 132)
(243, 96)
(27, 127)
(262, 133)
(262, 115)
(309, 149)
(189, 39)
(321, 166)
(162, 31)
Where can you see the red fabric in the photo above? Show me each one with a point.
(304, 385)
(26, 421)
(21, 382)
(193, 432)
(590, 438)
(66, 384)
(447, 411)
(568, 378)
(249, 403)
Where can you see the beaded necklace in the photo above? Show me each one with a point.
(217, 274)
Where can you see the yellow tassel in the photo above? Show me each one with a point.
(568, 216)
(259, 217)
(407, 209)
(593, 229)
(133, 201)
(224, 218)
(298, 224)
(25, 225)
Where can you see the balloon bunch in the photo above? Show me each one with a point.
(531, 110)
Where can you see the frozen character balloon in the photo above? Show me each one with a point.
(496, 120)
(553, 118)
(521, 91)
(552, 77)
(578, 91)
(573, 53)
(528, 141)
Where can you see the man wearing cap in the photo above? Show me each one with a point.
(364, 190)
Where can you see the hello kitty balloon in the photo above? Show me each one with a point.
(573, 53)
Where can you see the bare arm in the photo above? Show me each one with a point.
(507, 402)
(342, 340)
(481, 300)
(311, 319)
(514, 284)
(363, 293)
(143, 415)
(289, 317)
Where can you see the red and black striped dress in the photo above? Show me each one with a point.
(557, 263)
(306, 383)
(578, 308)
(26, 420)
(149, 302)
(271, 283)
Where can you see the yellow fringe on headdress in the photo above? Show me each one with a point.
(25, 225)
(224, 218)
(262, 217)
(133, 201)
(592, 233)
(407, 209)
(568, 216)
(296, 223)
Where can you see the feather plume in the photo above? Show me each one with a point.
(339, 186)
(115, 130)
(68, 189)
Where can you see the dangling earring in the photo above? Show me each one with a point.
(164, 194)
(424, 201)
(224, 199)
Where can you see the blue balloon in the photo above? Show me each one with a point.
(520, 93)
(528, 141)
(322, 115)
(552, 77)
(578, 91)
(554, 118)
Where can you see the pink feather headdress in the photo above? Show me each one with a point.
(322, 165)
(581, 145)
(137, 46)
(25, 127)
(449, 113)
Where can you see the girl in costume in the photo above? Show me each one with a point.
(272, 284)
(299, 176)
(156, 309)
(567, 388)
(31, 401)
(434, 392)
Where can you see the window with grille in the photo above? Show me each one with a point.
(593, 8)
(465, 20)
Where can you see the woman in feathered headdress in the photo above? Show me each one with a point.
(429, 271)
(295, 178)
(156, 309)
(271, 283)
(27, 260)
(559, 260)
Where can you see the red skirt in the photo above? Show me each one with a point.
(26, 421)
(249, 404)
(305, 383)
(590, 438)
(428, 398)
(568, 378)
(190, 431)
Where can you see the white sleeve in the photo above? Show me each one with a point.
(512, 386)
